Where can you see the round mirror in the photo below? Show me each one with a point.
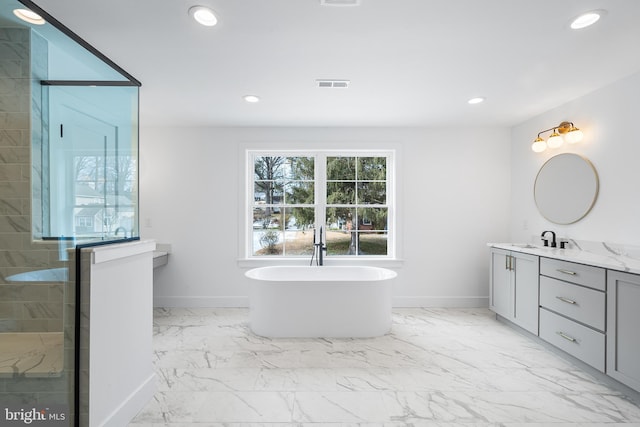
(566, 188)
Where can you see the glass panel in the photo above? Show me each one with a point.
(341, 193)
(267, 218)
(372, 168)
(340, 243)
(268, 192)
(299, 231)
(267, 235)
(278, 227)
(67, 60)
(344, 238)
(372, 219)
(260, 218)
(340, 229)
(299, 218)
(269, 168)
(49, 188)
(372, 243)
(91, 165)
(340, 219)
(299, 193)
(341, 168)
(300, 168)
(298, 243)
(372, 193)
(267, 242)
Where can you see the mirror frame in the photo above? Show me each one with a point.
(579, 215)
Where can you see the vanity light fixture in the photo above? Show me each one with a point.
(565, 131)
(29, 16)
(203, 15)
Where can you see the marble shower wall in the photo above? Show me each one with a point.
(23, 306)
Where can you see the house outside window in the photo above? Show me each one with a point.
(84, 221)
(348, 194)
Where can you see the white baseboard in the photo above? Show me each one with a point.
(243, 301)
(132, 405)
(453, 302)
(203, 302)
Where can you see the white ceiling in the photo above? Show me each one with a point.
(410, 62)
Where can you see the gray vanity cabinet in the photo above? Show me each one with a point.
(623, 323)
(572, 309)
(500, 283)
(581, 307)
(514, 288)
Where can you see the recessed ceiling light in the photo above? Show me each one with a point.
(476, 100)
(587, 19)
(29, 16)
(251, 98)
(203, 15)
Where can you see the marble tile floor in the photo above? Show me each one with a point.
(437, 367)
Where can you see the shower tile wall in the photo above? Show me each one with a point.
(24, 307)
(14, 147)
(31, 307)
(28, 307)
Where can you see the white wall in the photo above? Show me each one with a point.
(454, 197)
(608, 118)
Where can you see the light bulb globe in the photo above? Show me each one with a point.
(539, 145)
(555, 141)
(574, 135)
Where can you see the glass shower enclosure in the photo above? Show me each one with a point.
(68, 179)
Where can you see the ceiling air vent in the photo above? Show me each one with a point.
(333, 83)
(339, 2)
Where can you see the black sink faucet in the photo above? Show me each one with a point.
(546, 241)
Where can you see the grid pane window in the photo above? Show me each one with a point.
(283, 205)
(353, 183)
(347, 194)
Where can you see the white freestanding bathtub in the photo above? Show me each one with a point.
(320, 301)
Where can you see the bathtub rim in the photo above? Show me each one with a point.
(44, 275)
(254, 274)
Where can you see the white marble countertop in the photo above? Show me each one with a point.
(603, 255)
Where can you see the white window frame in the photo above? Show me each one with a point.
(320, 156)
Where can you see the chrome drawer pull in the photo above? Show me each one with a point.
(566, 337)
(567, 300)
(573, 273)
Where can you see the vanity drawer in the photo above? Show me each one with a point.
(579, 341)
(585, 305)
(585, 275)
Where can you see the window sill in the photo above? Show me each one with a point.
(257, 262)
